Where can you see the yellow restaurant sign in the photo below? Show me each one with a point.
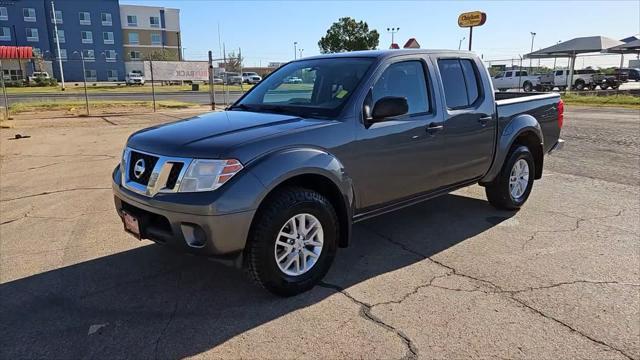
(474, 18)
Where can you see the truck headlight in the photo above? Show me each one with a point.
(207, 175)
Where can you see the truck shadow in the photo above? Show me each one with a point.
(149, 302)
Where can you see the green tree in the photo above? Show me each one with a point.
(162, 55)
(347, 34)
(234, 62)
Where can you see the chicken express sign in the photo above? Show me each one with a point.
(470, 20)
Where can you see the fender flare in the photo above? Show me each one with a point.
(519, 125)
(277, 167)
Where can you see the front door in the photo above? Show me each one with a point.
(470, 128)
(395, 158)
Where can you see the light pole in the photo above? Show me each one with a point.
(295, 51)
(533, 35)
(393, 31)
(84, 79)
(300, 50)
(460, 43)
(55, 29)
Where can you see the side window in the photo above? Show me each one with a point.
(404, 79)
(509, 74)
(460, 82)
(471, 79)
(559, 73)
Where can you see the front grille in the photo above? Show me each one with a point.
(173, 175)
(149, 163)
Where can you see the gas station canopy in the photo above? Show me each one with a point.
(573, 47)
(632, 47)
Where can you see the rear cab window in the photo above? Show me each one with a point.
(460, 81)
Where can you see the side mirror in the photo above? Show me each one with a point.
(388, 107)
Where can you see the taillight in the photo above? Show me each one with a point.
(560, 113)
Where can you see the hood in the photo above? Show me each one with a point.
(211, 135)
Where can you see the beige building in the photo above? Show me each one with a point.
(150, 31)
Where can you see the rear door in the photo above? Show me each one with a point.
(470, 125)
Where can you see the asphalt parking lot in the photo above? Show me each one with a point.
(450, 278)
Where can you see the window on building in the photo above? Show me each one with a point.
(156, 39)
(4, 15)
(154, 22)
(61, 37)
(132, 20)
(32, 34)
(29, 14)
(135, 55)
(5, 34)
(85, 18)
(90, 75)
(87, 37)
(12, 75)
(107, 36)
(404, 79)
(89, 55)
(134, 38)
(459, 77)
(58, 16)
(110, 55)
(112, 75)
(62, 54)
(106, 19)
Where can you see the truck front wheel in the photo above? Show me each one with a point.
(512, 186)
(292, 242)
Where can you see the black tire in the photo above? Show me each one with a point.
(260, 259)
(527, 87)
(604, 86)
(562, 88)
(502, 90)
(498, 192)
(580, 85)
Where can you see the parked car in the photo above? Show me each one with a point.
(134, 78)
(515, 79)
(582, 80)
(606, 81)
(293, 80)
(232, 78)
(43, 75)
(251, 78)
(626, 74)
(217, 80)
(276, 181)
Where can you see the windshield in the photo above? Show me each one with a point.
(314, 88)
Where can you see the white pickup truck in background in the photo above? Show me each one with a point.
(582, 79)
(515, 79)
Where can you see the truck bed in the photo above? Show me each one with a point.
(542, 106)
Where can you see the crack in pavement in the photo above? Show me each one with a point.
(365, 313)
(171, 316)
(61, 218)
(53, 164)
(55, 192)
(498, 290)
(576, 226)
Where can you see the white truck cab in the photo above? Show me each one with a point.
(514, 79)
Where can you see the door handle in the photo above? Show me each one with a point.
(484, 119)
(434, 127)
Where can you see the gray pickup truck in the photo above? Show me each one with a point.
(276, 181)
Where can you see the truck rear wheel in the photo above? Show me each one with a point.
(511, 188)
(292, 242)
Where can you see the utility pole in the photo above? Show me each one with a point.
(393, 31)
(460, 43)
(295, 44)
(55, 29)
(212, 95)
(153, 87)
(533, 35)
(4, 93)
(84, 78)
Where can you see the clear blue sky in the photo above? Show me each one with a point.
(266, 30)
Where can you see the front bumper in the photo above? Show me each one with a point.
(181, 229)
